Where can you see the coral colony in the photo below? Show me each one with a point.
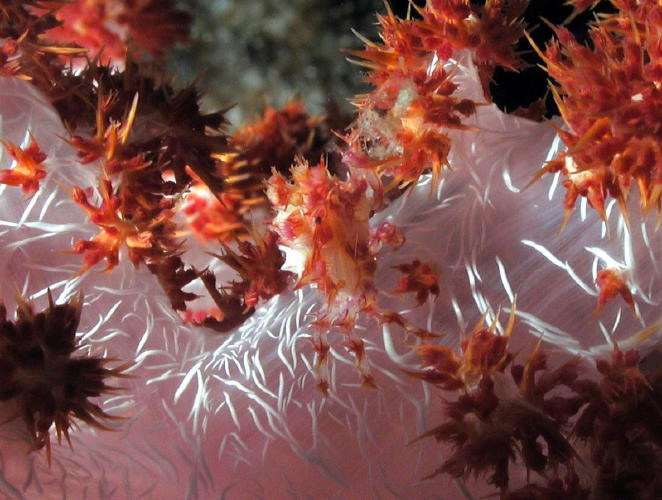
(314, 236)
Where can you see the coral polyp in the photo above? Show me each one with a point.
(40, 370)
(108, 29)
(29, 168)
(326, 219)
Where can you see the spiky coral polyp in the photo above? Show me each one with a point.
(534, 415)
(612, 283)
(38, 371)
(609, 96)
(484, 352)
(488, 431)
(401, 130)
(273, 140)
(115, 231)
(28, 168)
(325, 219)
(490, 30)
(212, 218)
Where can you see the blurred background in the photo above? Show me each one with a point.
(252, 52)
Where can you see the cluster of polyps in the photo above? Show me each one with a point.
(401, 132)
(610, 97)
(106, 28)
(325, 219)
(538, 417)
(271, 141)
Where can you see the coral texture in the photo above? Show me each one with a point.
(375, 253)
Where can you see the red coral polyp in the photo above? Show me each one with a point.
(401, 131)
(534, 415)
(212, 218)
(491, 30)
(418, 278)
(325, 220)
(115, 233)
(483, 353)
(27, 170)
(108, 27)
(612, 283)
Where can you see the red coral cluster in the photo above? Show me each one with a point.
(146, 138)
(326, 219)
(108, 28)
(156, 153)
(151, 145)
(609, 97)
(274, 140)
(25, 52)
(213, 218)
(401, 130)
(489, 29)
(400, 134)
(621, 426)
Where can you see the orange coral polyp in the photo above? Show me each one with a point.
(490, 30)
(115, 231)
(419, 278)
(107, 27)
(401, 129)
(612, 283)
(28, 168)
(483, 353)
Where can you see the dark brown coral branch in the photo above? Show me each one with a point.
(38, 370)
(537, 416)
